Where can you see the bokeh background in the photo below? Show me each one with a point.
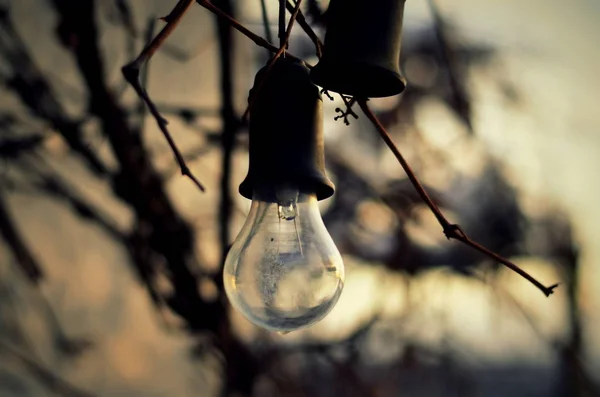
(109, 259)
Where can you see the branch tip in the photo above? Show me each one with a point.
(450, 230)
(550, 290)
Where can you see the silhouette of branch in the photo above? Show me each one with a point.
(450, 230)
(131, 73)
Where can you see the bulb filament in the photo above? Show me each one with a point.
(287, 209)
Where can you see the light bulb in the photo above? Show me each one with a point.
(283, 272)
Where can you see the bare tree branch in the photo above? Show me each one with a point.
(131, 72)
(450, 230)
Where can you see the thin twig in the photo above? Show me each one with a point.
(269, 66)
(131, 72)
(450, 230)
(307, 29)
(259, 41)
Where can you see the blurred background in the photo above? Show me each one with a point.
(110, 260)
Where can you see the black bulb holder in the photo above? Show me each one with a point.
(286, 132)
(361, 55)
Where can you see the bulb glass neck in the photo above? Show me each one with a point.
(283, 195)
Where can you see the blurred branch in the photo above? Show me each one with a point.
(240, 366)
(126, 16)
(36, 93)
(55, 186)
(265, 18)
(315, 11)
(126, 19)
(460, 99)
(12, 148)
(43, 374)
(576, 379)
(230, 126)
(450, 230)
(26, 260)
(306, 27)
(161, 235)
(69, 346)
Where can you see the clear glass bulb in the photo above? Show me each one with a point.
(283, 271)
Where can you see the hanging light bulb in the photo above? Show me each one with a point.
(284, 272)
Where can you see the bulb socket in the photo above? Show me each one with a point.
(286, 132)
(361, 56)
